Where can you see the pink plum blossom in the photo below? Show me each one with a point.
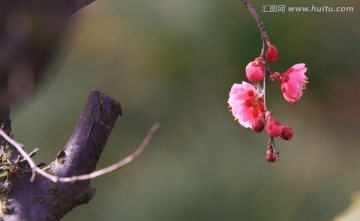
(255, 70)
(247, 104)
(293, 82)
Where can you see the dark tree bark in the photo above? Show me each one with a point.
(30, 36)
(42, 199)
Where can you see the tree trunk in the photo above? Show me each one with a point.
(30, 34)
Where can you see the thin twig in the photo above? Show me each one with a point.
(94, 174)
(119, 164)
(35, 151)
(257, 18)
(21, 150)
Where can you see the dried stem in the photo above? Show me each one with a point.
(94, 174)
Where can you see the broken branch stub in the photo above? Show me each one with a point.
(21, 199)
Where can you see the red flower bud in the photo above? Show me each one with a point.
(258, 124)
(255, 70)
(272, 53)
(273, 127)
(271, 156)
(287, 133)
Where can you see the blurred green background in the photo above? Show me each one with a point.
(174, 62)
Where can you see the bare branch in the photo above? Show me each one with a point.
(97, 173)
(119, 164)
(88, 139)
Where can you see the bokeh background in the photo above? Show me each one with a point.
(174, 62)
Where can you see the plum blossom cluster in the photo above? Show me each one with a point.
(247, 101)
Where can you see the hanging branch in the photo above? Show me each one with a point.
(249, 102)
